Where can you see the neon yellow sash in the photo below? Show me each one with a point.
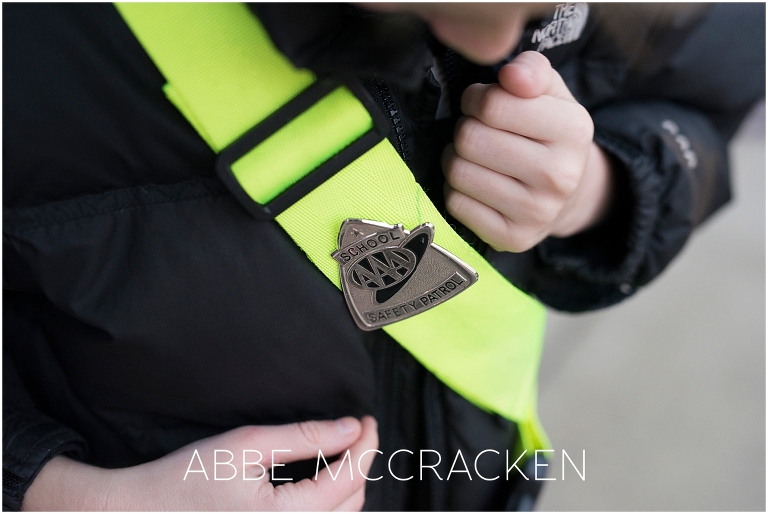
(225, 76)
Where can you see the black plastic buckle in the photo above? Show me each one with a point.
(314, 178)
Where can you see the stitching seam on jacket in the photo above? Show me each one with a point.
(58, 214)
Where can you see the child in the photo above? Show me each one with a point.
(149, 319)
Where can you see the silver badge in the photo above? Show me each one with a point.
(389, 274)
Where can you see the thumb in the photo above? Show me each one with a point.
(303, 440)
(530, 75)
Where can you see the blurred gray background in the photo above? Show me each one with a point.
(666, 391)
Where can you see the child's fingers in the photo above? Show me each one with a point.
(504, 152)
(509, 196)
(354, 503)
(337, 483)
(530, 75)
(303, 440)
(545, 118)
(494, 228)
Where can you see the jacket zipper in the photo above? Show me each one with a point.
(381, 94)
(383, 98)
(450, 72)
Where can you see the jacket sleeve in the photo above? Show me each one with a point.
(30, 437)
(664, 113)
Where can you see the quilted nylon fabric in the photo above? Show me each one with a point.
(484, 343)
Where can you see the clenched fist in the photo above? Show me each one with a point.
(523, 165)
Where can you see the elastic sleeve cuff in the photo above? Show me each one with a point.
(29, 442)
(611, 253)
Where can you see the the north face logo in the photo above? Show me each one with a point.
(566, 26)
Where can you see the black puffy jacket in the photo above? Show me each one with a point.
(145, 309)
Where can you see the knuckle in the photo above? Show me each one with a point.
(508, 236)
(551, 180)
(312, 432)
(561, 180)
(457, 173)
(519, 238)
(246, 435)
(500, 244)
(530, 241)
(565, 183)
(568, 180)
(584, 127)
(285, 497)
(453, 202)
(456, 204)
(470, 95)
(267, 498)
(546, 211)
(468, 136)
(492, 105)
(536, 58)
(523, 242)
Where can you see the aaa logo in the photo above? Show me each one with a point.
(383, 269)
(388, 273)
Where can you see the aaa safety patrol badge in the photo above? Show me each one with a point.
(389, 274)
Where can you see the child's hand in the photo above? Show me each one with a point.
(523, 165)
(240, 483)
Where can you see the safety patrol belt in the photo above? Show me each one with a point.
(307, 153)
